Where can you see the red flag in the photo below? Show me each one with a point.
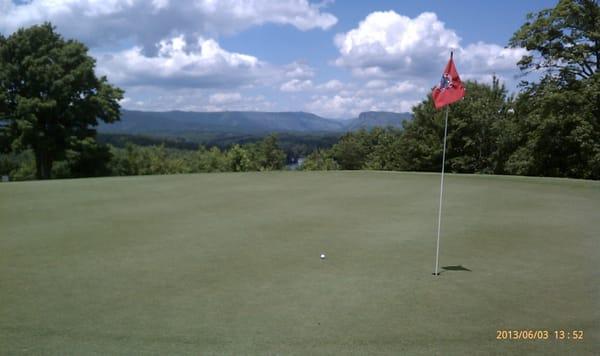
(451, 89)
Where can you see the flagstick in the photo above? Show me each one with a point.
(437, 251)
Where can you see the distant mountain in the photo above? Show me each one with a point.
(370, 119)
(242, 122)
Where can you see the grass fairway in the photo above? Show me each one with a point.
(229, 264)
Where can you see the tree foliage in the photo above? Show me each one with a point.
(50, 97)
(319, 160)
(351, 151)
(145, 160)
(474, 127)
(565, 38)
(552, 128)
(558, 130)
(270, 156)
(239, 159)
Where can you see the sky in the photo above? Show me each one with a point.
(332, 58)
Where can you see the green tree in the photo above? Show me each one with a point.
(162, 161)
(351, 151)
(386, 151)
(565, 38)
(214, 160)
(319, 160)
(270, 156)
(18, 166)
(556, 129)
(473, 132)
(239, 159)
(50, 97)
(140, 160)
(89, 159)
(557, 126)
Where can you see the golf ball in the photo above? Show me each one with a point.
(322, 256)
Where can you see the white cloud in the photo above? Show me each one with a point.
(160, 4)
(99, 23)
(373, 95)
(388, 44)
(332, 85)
(299, 13)
(193, 100)
(395, 61)
(202, 64)
(351, 104)
(403, 87)
(296, 85)
(376, 84)
(335, 106)
(224, 98)
(298, 70)
(483, 57)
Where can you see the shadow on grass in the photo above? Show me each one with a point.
(455, 268)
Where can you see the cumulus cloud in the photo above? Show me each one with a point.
(335, 106)
(299, 13)
(483, 57)
(298, 70)
(332, 85)
(403, 87)
(388, 44)
(224, 98)
(162, 99)
(349, 104)
(147, 22)
(296, 85)
(395, 60)
(376, 84)
(203, 64)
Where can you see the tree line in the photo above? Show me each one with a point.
(550, 129)
(295, 145)
(95, 160)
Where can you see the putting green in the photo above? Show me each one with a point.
(229, 264)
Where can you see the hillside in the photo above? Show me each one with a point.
(229, 264)
(242, 122)
(371, 119)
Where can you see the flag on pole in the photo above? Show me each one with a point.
(450, 89)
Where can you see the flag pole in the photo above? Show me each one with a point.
(437, 250)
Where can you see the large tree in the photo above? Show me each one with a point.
(270, 155)
(50, 96)
(565, 38)
(556, 129)
(557, 121)
(474, 132)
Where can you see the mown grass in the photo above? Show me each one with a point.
(229, 264)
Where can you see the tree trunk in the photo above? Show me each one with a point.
(43, 164)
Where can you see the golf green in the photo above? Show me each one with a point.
(230, 264)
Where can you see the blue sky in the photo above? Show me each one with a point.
(333, 58)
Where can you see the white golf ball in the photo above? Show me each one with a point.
(322, 256)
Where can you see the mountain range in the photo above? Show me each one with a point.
(244, 122)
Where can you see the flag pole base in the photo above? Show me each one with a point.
(436, 273)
